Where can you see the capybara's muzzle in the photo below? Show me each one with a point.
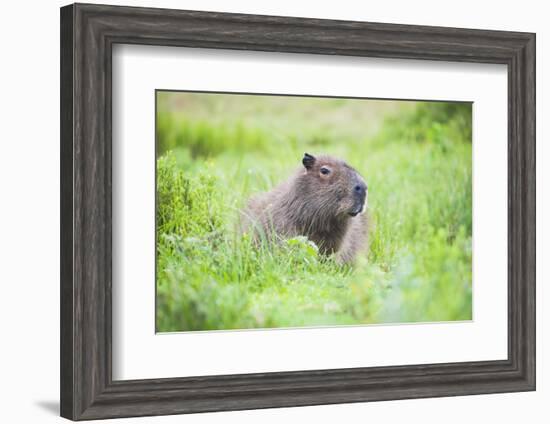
(360, 197)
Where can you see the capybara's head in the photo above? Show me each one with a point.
(331, 187)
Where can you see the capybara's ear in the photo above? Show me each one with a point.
(308, 160)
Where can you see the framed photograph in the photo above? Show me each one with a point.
(262, 211)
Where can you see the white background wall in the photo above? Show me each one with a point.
(29, 212)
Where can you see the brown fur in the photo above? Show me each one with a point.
(324, 207)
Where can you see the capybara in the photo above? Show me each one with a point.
(324, 201)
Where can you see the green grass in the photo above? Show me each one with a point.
(215, 151)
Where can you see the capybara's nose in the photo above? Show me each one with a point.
(360, 189)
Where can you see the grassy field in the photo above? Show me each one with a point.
(215, 151)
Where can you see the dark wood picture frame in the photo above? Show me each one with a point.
(88, 33)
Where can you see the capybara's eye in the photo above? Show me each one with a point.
(324, 170)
